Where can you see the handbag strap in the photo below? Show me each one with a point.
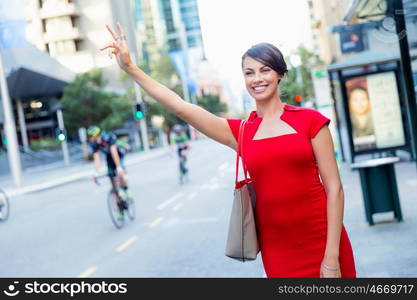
(239, 152)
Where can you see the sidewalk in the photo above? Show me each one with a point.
(48, 176)
(387, 249)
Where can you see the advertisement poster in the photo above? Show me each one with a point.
(374, 110)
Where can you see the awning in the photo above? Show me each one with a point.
(33, 73)
(362, 11)
(367, 58)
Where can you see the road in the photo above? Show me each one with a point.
(180, 230)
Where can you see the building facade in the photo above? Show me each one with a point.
(167, 26)
(73, 31)
(323, 15)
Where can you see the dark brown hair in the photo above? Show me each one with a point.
(269, 55)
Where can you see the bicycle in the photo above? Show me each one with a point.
(115, 206)
(4, 206)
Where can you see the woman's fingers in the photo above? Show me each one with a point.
(107, 47)
(112, 45)
(114, 35)
(120, 28)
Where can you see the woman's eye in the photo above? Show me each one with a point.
(248, 73)
(265, 70)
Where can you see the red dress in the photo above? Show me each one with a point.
(291, 201)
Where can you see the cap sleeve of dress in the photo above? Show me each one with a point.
(234, 125)
(317, 121)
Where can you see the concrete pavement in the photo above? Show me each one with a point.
(387, 249)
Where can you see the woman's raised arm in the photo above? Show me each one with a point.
(211, 125)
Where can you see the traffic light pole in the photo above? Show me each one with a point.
(142, 122)
(10, 130)
(64, 143)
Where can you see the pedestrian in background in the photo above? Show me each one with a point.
(290, 157)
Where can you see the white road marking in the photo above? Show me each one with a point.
(156, 222)
(126, 244)
(88, 272)
(169, 201)
(192, 195)
(178, 206)
(199, 220)
(175, 221)
(216, 186)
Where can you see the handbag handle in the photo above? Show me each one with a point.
(239, 152)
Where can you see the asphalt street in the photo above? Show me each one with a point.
(180, 230)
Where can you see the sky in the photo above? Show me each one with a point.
(230, 27)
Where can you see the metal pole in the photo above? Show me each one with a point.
(398, 12)
(10, 130)
(182, 35)
(82, 134)
(22, 125)
(142, 122)
(64, 143)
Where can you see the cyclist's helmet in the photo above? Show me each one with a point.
(93, 131)
(177, 128)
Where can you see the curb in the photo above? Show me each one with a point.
(79, 175)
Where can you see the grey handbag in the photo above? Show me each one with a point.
(242, 241)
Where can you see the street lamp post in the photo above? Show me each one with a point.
(397, 10)
(10, 130)
(142, 122)
(64, 143)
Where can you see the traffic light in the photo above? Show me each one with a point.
(61, 135)
(139, 110)
(298, 98)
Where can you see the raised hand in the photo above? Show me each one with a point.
(119, 47)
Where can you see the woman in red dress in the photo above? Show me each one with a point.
(290, 157)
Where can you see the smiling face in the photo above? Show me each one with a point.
(359, 101)
(261, 81)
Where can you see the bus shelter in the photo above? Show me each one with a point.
(371, 114)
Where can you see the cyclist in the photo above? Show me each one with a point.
(114, 150)
(180, 139)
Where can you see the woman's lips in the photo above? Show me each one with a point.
(259, 89)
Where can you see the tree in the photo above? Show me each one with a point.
(85, 102)
(212, 104)
(298, 80)
(164, 72)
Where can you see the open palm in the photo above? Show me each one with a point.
(119, 47)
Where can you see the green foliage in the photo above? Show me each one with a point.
(46, 143)
(163, 71)
(212, 104)
(298, 79)
(86, 102)
(154, 108)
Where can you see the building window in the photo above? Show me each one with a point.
(44, 25)
(192, 41)
(174, 44)
(62, 47)
(78, 45)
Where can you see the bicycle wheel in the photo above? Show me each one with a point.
(114, 210)
(4, 206)
(131, 208)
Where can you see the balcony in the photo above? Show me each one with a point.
(58, 11)
(62, 35)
